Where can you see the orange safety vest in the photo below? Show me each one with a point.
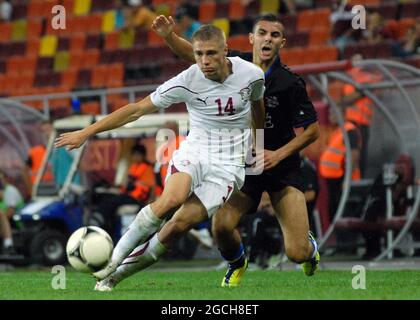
(143, 181)
(331, 165)
(361, 111)
(37, 154)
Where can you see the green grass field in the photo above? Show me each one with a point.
(197, 285)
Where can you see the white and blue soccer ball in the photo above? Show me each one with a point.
(89, 249)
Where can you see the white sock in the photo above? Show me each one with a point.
(315, 250)
(142, 256)
(144, 225)
(8, 242)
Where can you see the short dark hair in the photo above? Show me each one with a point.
(267, 17)
(139, 148)
(208, 32)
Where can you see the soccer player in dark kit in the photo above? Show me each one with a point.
(287, 106)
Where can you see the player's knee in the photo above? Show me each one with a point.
(220, 228)
(298, 253)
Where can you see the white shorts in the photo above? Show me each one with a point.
(212, 183)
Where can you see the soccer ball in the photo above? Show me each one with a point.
(89, 249)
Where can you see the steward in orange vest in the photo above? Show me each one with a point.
(332, 163)
(138, 189)
(359, 108)
(141, 179)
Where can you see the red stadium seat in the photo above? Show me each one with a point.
(115, 75)
(305, 20)
(14, 65)
(69, 78)
(5, 31)
(239, 42)
(91, 108)
(328, 53)
(236, 10)
(90, 58)
(99, 75)
(319, 37)
(33, 29)
(154, 40)
(292, 56)
(94, 24)
(206, 11)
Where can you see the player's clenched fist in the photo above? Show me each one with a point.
(163, 26)
(72, 140)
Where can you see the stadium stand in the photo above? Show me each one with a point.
(91, 37)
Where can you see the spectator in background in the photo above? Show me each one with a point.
(376, 29)
(6, 10)
(10, 200)
(359, 109)
(141, 16)
(120, 14)
(137, 190)
(333, 160)
(35, 158)
(410, 45)
(186, 17)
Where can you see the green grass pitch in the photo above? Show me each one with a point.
(198, 285)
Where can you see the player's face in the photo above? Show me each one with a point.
(267, 40)
(210, 56)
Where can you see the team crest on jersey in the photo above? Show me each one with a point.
(245, 94)
(185, 162)
(271, 102)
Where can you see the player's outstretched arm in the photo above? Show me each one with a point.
(164, 27)
(116, 119)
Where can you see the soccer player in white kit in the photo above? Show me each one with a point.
(209, 164)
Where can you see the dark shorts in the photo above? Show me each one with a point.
(254, 186)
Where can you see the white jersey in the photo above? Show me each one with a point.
(220, 113)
